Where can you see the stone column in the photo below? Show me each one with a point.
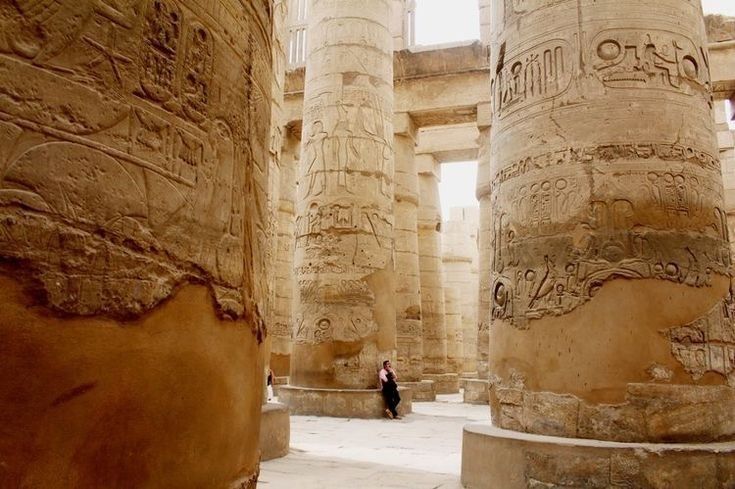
(459, 241)
(344, 227)
(133, 286)
(726, 144)
(280, 332)
(485, 239)
(432, 278)
(612, 313)
(453, 321)
(409, 358)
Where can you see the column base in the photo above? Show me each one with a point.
(279, 382)
(275, 431)
(422, 391)
(444, 383)
(493, 458)
(341, 403)
(476, 391)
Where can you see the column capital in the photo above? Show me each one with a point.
(404, 125)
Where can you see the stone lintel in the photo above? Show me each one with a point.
(484, 115)
(275, 431)
(493, 458)
(341, 403)
(444, 383)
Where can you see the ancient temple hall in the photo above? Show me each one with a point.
(220, 218)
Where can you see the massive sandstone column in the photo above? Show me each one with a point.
(459, 243)
(612, 315)
(432, 278)
(485, 239)
(283, 316)
(346, 316)
(453, 322)
(133, 173)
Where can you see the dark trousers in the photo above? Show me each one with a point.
(392, 398)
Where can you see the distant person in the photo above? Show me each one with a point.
(269, 384)
(389, 387)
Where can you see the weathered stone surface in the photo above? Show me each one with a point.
(423, 391)
(476, 391)
(346, 318)
(720, 28)
(136, 129)
(432, 276)
(453, 324)
(409, 330)
(133, 233)
(600, 201)
(493, 458)
(444, 383)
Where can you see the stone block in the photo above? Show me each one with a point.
(275, 431)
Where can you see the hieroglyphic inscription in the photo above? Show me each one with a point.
(136, 128)
(650, 59)
(532, 76)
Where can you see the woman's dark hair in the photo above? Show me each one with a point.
(385, 362)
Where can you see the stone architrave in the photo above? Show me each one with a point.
(283, 314)
(430, 260)
(345, 322)
(612, 316)
(133, 285)
(409, 342)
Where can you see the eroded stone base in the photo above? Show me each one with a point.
(423, 391)
(444, 383)
(493, 458)
(476, 391)
(278, 382)
(340, 403)
(275, 431)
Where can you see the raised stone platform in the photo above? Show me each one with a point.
(444, 383)
(278, 382)
(493, 458)
(341, 403)
(476, 391)
(275, 431)
(423, 391)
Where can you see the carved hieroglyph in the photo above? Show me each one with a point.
(409, 343)
(133, 138)
(432, 275)
(606, 192)
(344, 223)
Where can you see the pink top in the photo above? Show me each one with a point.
(384, 375)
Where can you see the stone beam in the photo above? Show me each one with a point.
(449, 144)
(437, 86)
(722, 66)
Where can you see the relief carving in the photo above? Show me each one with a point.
(707, 344)
(650, 60)
(143, 154)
